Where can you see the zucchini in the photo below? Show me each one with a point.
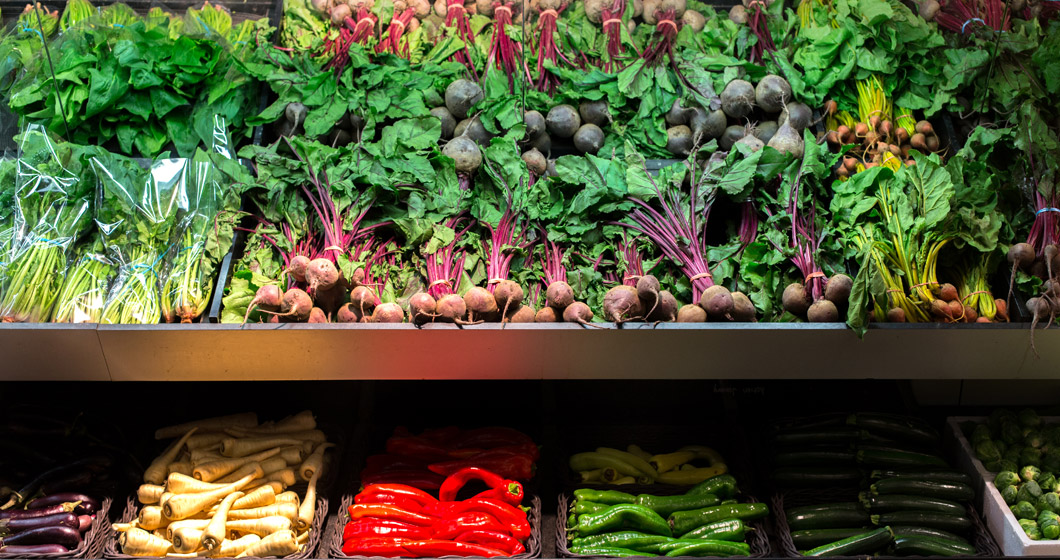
(919, 545)
(885, 457)
(928, 488)
(801, 438)
(937, 475)
(900, 530)
(858, 545)
(820, 421)
(812, 457)
(901, 502)
(952, 523)
(817, 476)
(827, 516)
(896, 427)
(813, 538)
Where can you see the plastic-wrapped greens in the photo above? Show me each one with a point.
(84, 291)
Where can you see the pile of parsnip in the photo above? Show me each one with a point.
(222, 489)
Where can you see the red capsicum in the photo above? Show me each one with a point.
(436, 548)
(508, 515)
(509, 544)
(399, 490)
(452, 525)
(383, 511)
(369, 528)
(398, 501)
(385, 462)
(414, 446)
(516, 466)
(422, 479)
(387, 547)
(508, 491)
(488, 438)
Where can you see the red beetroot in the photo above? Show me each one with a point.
(578, 312)
(296, 268)
(691, 313)
(451, 308)
(268, 297)
(481, 305)
(546, 315)
(717, 302)
(322, 274)
(503, 49)
(524, 314)
(363, 301)
(422, 308)
(509, 296)
(295, 308)
(347, 314)
(391, 42)
(456, 18)
(622, 304)
(667, 307)
(317, 315)
(388, 313)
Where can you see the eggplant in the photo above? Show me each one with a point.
(89, 505)
(84, 522)
(70, 481)
(34, 549)
(66, 536)
(60, 479)
(18, 525)
(39, 512)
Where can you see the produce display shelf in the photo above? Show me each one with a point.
(543, 351)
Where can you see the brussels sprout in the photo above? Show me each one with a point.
(998, 466)
(1009, 494)
(1006, 478)
(1031, 456)
(1029, 492)
(1028, 418)
(1012, 453)
(1029, 473)
(1024, 510)
(1052, 434)
(1034, 439)
(1011, 433)
(1030, 527)
(1001, 416)
(1049, 501)
(987, 451)
(980, 433)
(1047, 481)
(1049, 524)
(1002, 447)
(1008, 465)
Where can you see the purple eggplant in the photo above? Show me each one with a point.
(66, 536)
(12, 526)
(68, 507)
(35, 549)
(89, 505)
(59, 479)
(84, 522)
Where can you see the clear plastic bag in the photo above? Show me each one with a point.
(51, 212)
(84, 291)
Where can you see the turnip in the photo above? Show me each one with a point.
(766, 130)
(451, 308)
(473, 129)
(536, 163)
(621, 303)
(743, 311)
(691, 313)
(772, 93)
(268, 297)
(448, 122)
(738, 98)
(678, 114)
(481, 305)
(322, 274)
(738, 14)
(706, 126)
(694, 19)
(796, 299)
(667, 308)
(347, 314)
(822, 311)
(388, 313)
(563, 121)
(522, 314)
(467, 158)
(717, 302)
(317, 315)
(578, 312)
(535, 123)
(595, 112)
(296, 268)
(787, 141)
(422, 308)
(363, 300)
(295, 307)
(837, 290)
(679, 140)
(546, 315)
(730, 136)
(589, 139)
(508, 295)
(460, 96)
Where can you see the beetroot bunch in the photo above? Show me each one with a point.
(560, 304)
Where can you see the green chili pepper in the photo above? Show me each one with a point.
(633, 540)
(628, 516)
(581, 507)
(723, 486)
(728, 530)
(684, 521)
(591, 461)
(609, 497)
(665, 505)
(610, 552)
(712, 548)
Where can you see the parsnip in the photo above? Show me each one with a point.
(137, 542)
(182, 484)
(241, 447)
(157, 471)
(197, 524)
(289, 497)
(181, 467)
(296, 423)
(205, 454)
(314, 462)
(151, 518)
(293, 454)
(308, 508)
(315, 436)
(261, 496)
(186, 540)
(208, 439)
(215, 531)
(261, 527)
(209, 472)
(149, 493)
(244, 420)
(280, 543)
(290, 511)
(232, 548)
(182, 506)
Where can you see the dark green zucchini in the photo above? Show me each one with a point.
(952, 523)
(815, 457)
(900, 530)
(887, 457)
(917, 545)
(827, 516)
(902, 502)
(859, 545)
(812, 538)
(801, 477)
(937, 475)
(897, 427)
(928, 488)
(817, 436)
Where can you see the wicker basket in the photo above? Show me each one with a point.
(110, 550)
(982, 541)
(758, 538)
(333, 544)
(91, 542)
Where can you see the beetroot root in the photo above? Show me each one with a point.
(743, 311)
(822, 311)
(621, 303)
(578, 312)
(509, 296)
(363, 300)
(347, 314)
(388, 313)
(717, 302)
(268, 297)
(666, 309)
(296, 307)
(691, 313)
(322, 274)
(481, 305)
(422, 308)
(451, 308)
(522, 314)
(648, 291)
(297, 267)
(559, 295)
(317, 315)
(546, 315)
